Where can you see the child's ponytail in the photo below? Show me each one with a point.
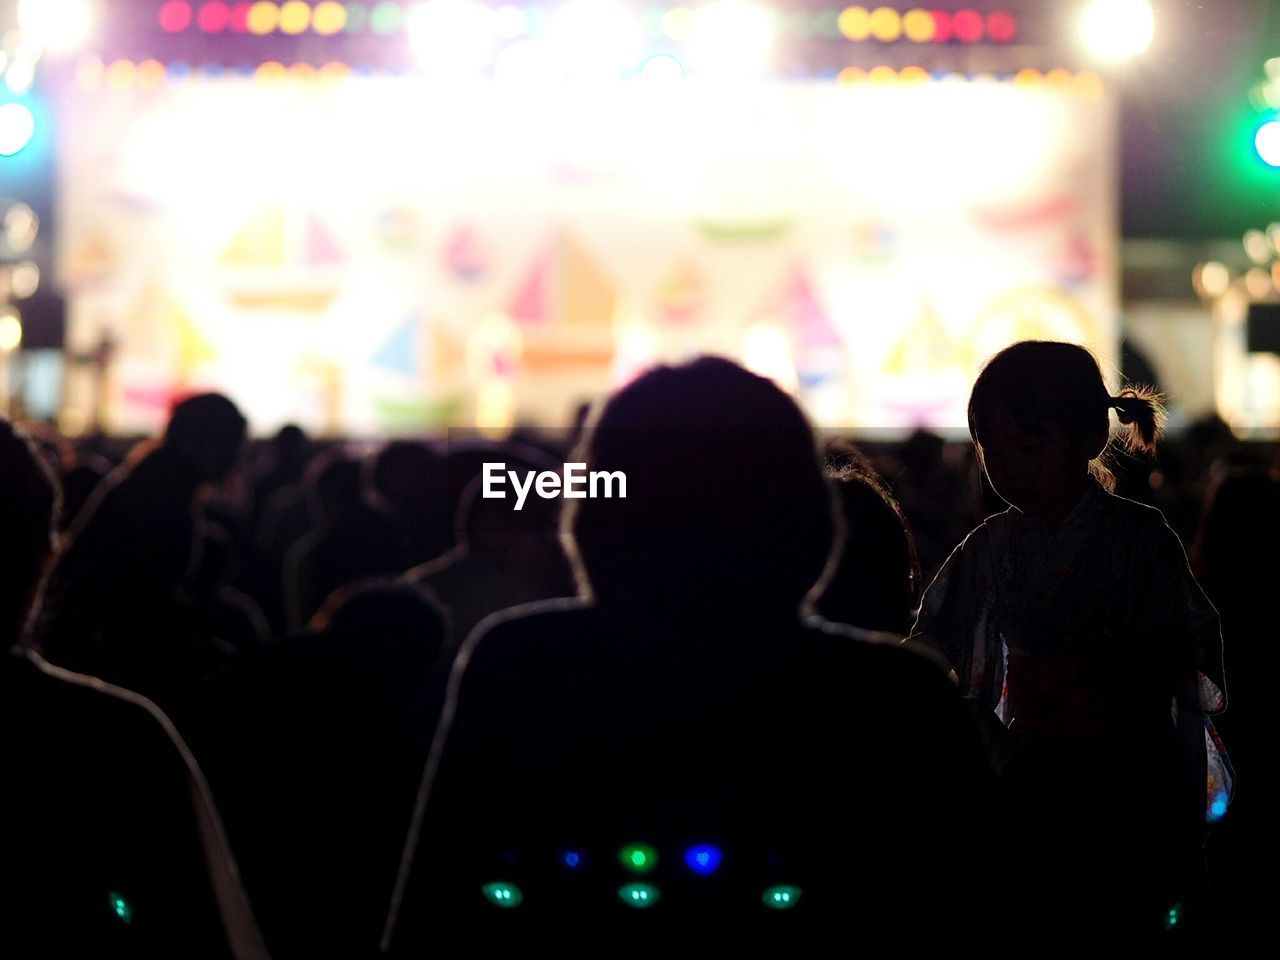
(1140, 410)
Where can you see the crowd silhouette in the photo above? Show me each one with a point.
(302, 698)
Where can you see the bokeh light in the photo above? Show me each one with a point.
(641, 896)
(295, 17)
(10, 329)
(453, 37)
(173, 17)
(703, 859)
(17, 125)
(781, 897)
(58, 26)
(1267, 142)
(263, 18)
(1117, 29)
(638, 857)
(503, 894)
(214, 17)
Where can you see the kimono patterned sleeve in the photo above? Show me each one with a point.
(1169, 608)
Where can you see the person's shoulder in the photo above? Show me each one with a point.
(530, 631)
(887, 657)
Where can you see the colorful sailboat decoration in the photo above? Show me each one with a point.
(284, 263)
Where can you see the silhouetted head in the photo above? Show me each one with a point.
(876, 583)
(1039, 415)
(28, 510)
(335, 486)
(400, 627)
(407, 476)
(726, 501)
(206, 432)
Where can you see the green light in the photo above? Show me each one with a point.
(1175, 914)
(638, 858)
(640, 896)
(502, 894)
(120, 907)
(781, 897)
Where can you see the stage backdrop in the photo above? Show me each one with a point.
(379, 254)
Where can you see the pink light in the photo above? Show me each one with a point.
(175, 16)
(968, 25)
(238, 18)
(214, 17)
(1001, 27)
(941, 26)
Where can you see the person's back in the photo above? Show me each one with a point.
(684, 745)
(809, 765)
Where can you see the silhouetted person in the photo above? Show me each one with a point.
(408, 479)
(504, 558)
(116, 605)
(315, 747)
(110, 845)
(876, 584)
(351, 540)
(1074, 618)
(687, 703)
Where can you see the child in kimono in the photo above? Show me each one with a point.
(1074, 618)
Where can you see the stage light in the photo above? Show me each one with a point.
(1256, 246)
(58, 26)
(1211, 279)
(24, 279)
(641, 896)
(967, 26)
(453, 37)
(357, 17)
(595, 40)
(1267, 142)
(1089, 85)
(213, 17)
(263, 18)
(886, 25)
(732, 38)
(917, 25)
(149, 74)
(17, 124)
(502, 894)
(238, 19)
(21, 226)
(781, 897)
(1001, 27)
(851, 75)
(328, 18)
(638, 858)
(913, 75)
(662, 68)
(10, 329)
(1117, 29)
(573, 859)
(942, 28)
(703, 859)
(295, 17)
(854, 23)
(386, 17)
(120, 908)
(271, 70)
(174, 16)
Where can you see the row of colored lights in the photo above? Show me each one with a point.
(294, 17)
(639, 896)
(93, 74)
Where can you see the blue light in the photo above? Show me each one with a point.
(1218, 808)
(571, 859)
(703, 859)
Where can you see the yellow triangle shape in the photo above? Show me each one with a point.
(260, 242)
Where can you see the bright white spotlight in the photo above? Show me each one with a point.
(59, 26)
(731, 38)
(454, 37)
(1267, 142)
(595, 39)
(16, 127)
(1117, 29)
(10, 329)
(526, 62)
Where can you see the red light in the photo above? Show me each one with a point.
(941, 26)
(238, 18)
(1001, 27)
(175, 16)
(213, 17)
(967, 25)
